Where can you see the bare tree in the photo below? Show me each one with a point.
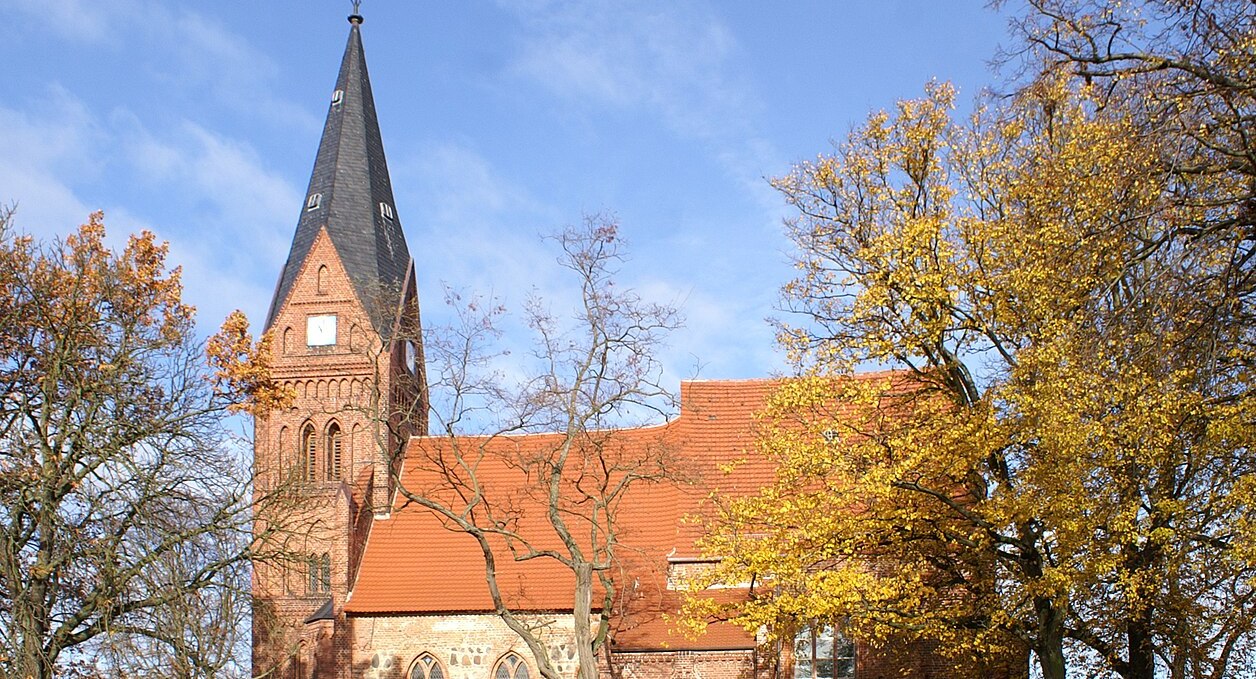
(559, 436)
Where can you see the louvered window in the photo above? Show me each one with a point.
(309, 450)
(334, 447)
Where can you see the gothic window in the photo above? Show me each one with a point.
(511, 666)
(427, 667)
(322, 280)
(319, 571)
(334, 446)
(309, 454)
(823, 652)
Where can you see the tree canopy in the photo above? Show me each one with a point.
(1062, 463)
(124, 512)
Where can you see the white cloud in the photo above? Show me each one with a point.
(47, 148)
(227, 216)
(182, 47)
(463, 204)
(610, 52)
(673, 60)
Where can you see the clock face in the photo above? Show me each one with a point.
(320, 331)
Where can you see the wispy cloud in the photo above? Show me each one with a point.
(226, 215)
(463, 202)
(190, 51)
(47, 147)
(672, 60)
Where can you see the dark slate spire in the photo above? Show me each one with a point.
(351, 195)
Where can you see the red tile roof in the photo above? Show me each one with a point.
(413, 564)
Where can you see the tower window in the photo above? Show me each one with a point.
(313, 202)
(337, 97)
(319, 573)
(334, 447)
(412, 356)
(309, 453)
(386, 211)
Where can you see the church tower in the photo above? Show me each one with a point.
(345, 326)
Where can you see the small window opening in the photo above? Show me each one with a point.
(322, 280)
(337, 97)
(319, 573)
(386, 211)
(313, 202)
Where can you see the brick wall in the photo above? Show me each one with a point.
(309, 510)
(465, 646)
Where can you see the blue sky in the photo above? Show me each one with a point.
(501, 120)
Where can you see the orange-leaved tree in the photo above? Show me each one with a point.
(124, 510)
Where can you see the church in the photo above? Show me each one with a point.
(367, 582)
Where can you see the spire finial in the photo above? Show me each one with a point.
(356, 17)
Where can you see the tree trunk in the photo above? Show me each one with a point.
(1051, 661)
(1142, 661)
(583, 614)
(1050, 646)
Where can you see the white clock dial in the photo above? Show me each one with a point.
(410, 357)
(320, 331)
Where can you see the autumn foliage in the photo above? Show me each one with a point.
(1072, 475)
(124, 513)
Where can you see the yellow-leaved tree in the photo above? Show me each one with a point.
(1062, 463)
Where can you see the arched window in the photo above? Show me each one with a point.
(511, 666)
(823, 652)
(335, 444)
(426, 667)
(322, 280)
(319, 573)
(309, 453)
(287, 341)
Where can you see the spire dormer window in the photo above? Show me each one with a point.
(386, 211)
(337, 97)
(313, 202)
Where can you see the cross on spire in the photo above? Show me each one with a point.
(356, 17)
